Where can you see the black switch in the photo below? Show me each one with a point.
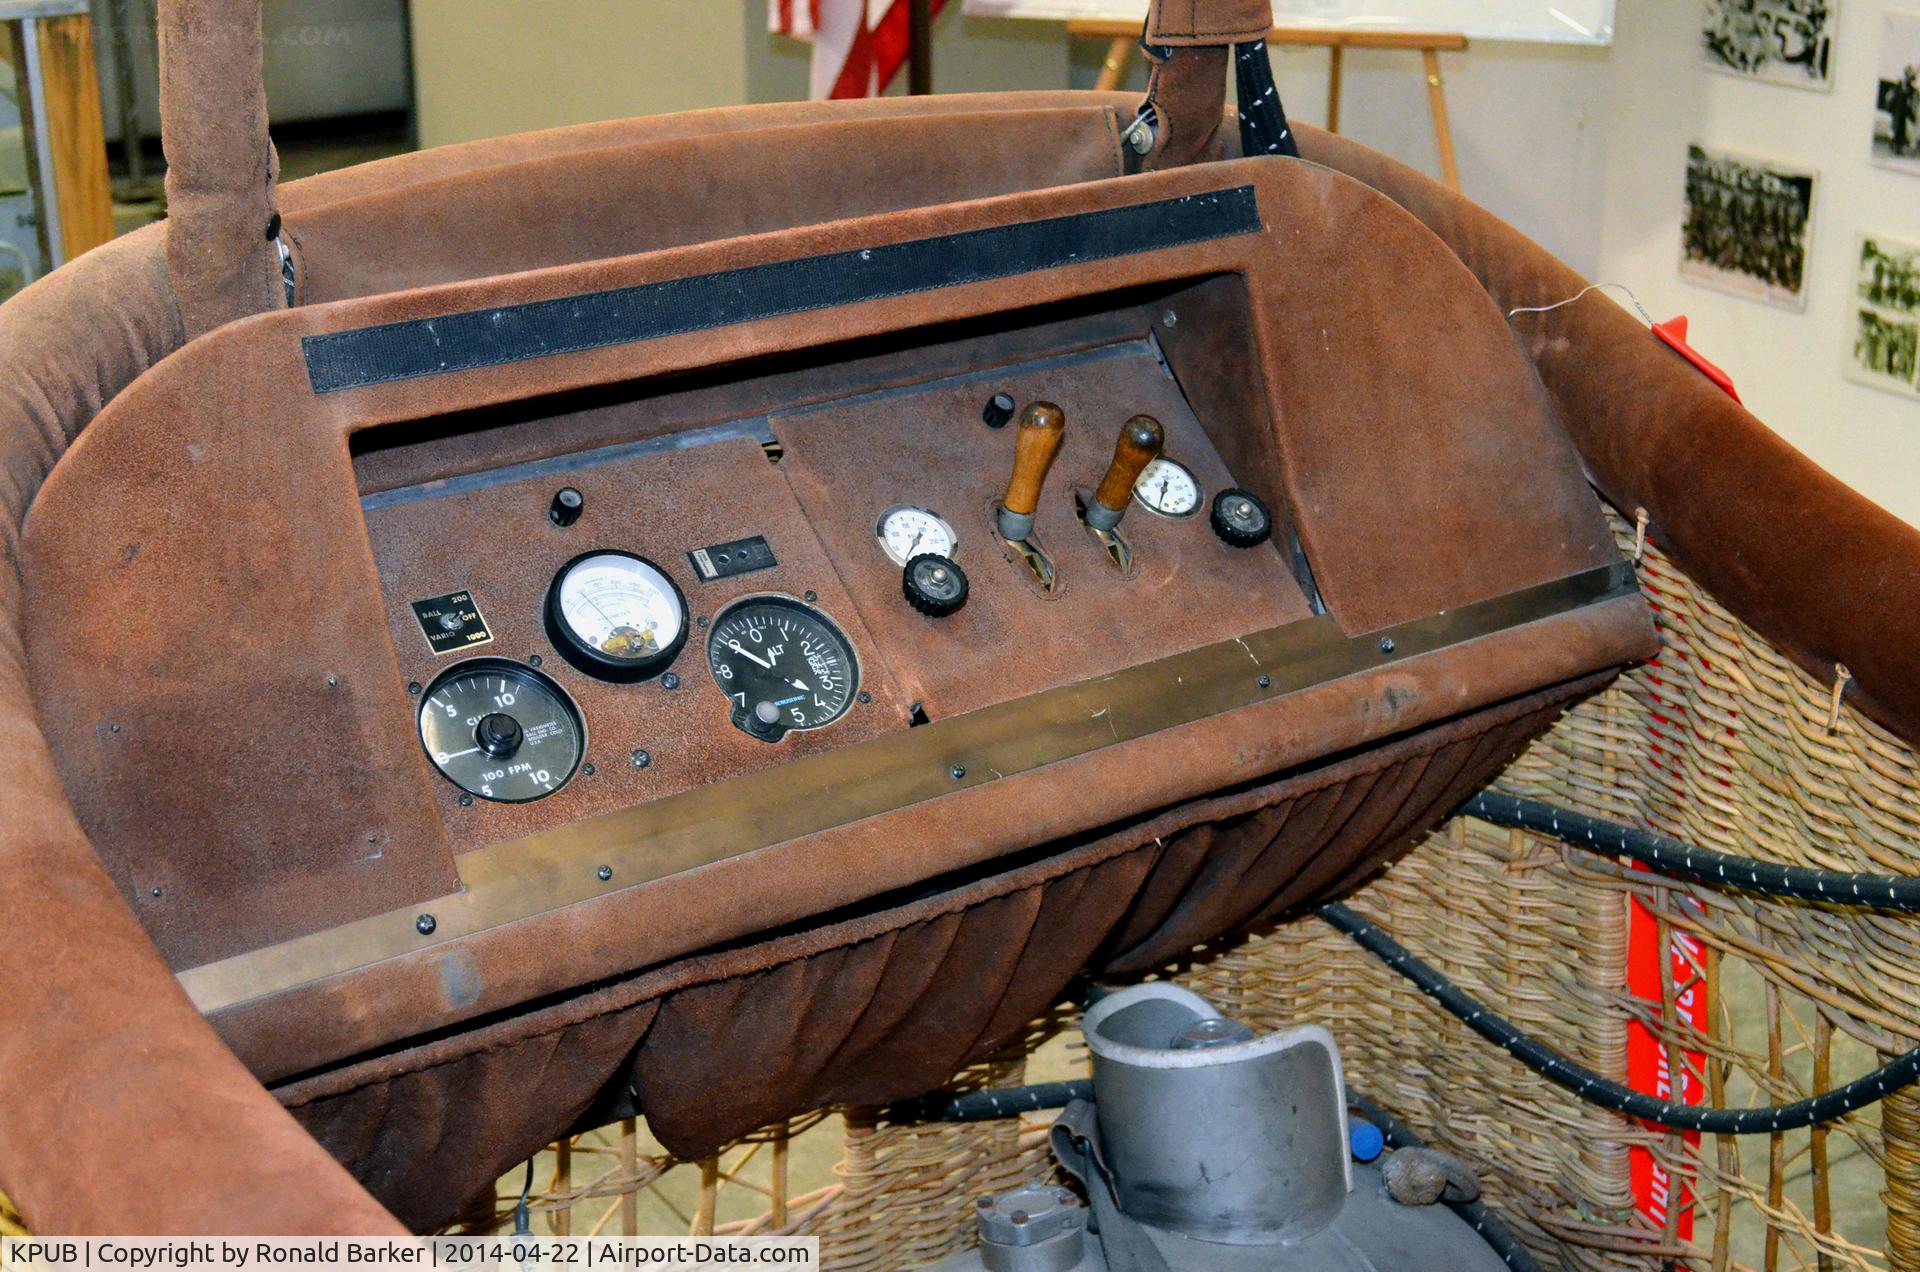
(998, 411)
(565, 508)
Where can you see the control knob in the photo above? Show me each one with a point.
(1241, 519)
(934, 585)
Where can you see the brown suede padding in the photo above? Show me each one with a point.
(888, 1004)
(1816, 567)
(221, 168)
(1809, 563)
(1222, 22)
(1185, 90)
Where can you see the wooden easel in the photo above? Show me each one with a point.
(50, 43)
(1124, 36)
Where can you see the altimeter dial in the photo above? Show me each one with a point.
(783, 665)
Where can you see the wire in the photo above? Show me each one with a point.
(1604, 1092)
(1700, 865)
(1581, 295)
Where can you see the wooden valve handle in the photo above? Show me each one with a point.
(1042, 426)
(1139, 445)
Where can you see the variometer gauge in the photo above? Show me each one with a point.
(783, 666)
(616, 616)
(906, 532)
(1168, 487)
(501, 731)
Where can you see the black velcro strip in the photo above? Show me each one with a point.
(595, 320)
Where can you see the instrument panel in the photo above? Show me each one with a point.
(685, 608)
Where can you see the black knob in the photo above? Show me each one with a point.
(998, 411)
(1240, 519)
(565, 508)
(762, 722)
(498, 735)
(934, 585)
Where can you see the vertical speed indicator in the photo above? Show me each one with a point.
(783, 665)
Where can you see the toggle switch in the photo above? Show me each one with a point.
(1141, 441)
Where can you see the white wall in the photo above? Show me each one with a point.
(1786, 365)
(323, 58)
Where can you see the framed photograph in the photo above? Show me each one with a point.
(1779, 41)
(1748, 223)
(1896, 106)
(1883, 345)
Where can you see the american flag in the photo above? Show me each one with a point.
(858, 45)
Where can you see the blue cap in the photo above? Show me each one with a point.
(1365, 1139)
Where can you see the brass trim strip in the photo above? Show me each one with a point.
(523, 878)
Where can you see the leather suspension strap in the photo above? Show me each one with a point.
(1186, 42)
(224, 256)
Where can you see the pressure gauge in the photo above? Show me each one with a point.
(1167, 487)
(616, 616)
(501, 731)
(783, 666)
(906, 532)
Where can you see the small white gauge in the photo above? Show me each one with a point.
(1168, 488)
(616, 615)
(906, 532)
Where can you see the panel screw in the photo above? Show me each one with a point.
(413, 687)
(425, 924)
(605, 873)
(466, 801)
(670, 681)
(155, 892)
(587, 770)
(958, 771)
(333, 682)
(641, 759)
(1265, 682)
(534, 661)
(1386, 644)
(865, 697)
(700, 621)
(812, 595)
(113, 728)
(1170, 319)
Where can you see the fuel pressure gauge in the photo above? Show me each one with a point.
(906, 532)
(1169, 488)
(616, 616)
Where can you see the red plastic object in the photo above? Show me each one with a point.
(1673, 333)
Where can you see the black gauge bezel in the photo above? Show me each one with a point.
(805, 607)
(584, 658)
(518, 670)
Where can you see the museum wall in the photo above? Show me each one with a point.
(1787, 365)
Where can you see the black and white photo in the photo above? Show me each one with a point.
(1779, 41)
(1747, 226)
(1883, 347)
(1896, 104)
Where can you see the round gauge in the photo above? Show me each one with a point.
(783, 665)
(616, 615)
(501, 731)
(1167, 487)
(906, 532)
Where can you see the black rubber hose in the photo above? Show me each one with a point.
(1699, 865)
(1475, 1213)
(1604, 1092)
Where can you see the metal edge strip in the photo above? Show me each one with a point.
(523, 878)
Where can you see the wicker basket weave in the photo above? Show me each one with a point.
(1720, 741)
